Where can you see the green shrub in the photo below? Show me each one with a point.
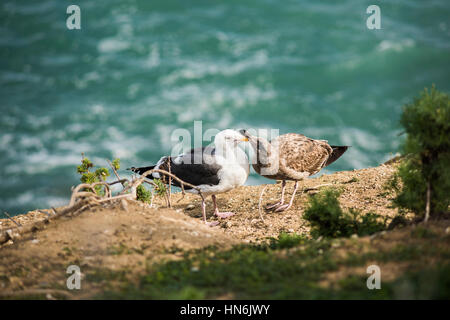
(142, 194)
(427, 154)
(327, 218)
(87, 176)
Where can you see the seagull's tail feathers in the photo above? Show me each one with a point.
(338, 151)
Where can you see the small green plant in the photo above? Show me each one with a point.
(160, 187)
(142, 194)
(424, 172)
(327, 218)
(88, 176)
(116, 164)
(86, 164)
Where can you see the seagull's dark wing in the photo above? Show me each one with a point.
(197, 167)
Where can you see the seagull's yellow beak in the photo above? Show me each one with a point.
(244, 139)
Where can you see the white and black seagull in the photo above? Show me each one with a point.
(212, 170)
(291, 156)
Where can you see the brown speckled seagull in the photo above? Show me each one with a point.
(292, 157)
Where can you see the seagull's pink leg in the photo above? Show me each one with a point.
(285, 207)
(211, 224)
(222, 215)
(281, 202)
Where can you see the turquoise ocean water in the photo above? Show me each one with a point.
(139, 69)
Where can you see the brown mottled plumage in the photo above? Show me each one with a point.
(293, 157)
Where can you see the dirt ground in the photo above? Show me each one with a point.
(36, 263)
(96, 239)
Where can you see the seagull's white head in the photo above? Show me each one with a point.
(229, 137)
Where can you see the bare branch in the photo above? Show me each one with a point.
(121, 181)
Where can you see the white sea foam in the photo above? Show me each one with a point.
(153, 59)
(165, 134)
(193, 69)
(27, 141)
(360, 138)
(37, 122)
(41, 161)
(112, 45)
(32, 198)
(5, 141)
(8, 77)
(393, 45)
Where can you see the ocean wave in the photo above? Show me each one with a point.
(397, 45)
(192, 69)
(33, 200)
(110, 45)
(40, 162)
